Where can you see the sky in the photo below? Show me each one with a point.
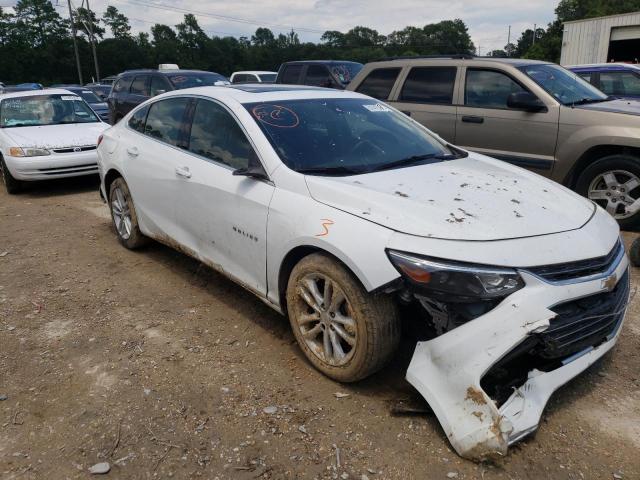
(488, 20)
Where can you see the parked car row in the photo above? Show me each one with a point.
(341, 210)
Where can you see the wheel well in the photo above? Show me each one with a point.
(291, 260)
(109, 178)
(593, 154)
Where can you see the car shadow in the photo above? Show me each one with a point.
(60, 187)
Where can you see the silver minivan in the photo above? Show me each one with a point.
(534, 114)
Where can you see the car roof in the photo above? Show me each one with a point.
(466, 59)
(254, 72)
(604, 66)
(292, 62)
(257, 92)
(35, 93)
(163, 72)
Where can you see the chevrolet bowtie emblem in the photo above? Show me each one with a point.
(610, 282)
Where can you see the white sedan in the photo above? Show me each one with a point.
(46, 134)
(349, 217)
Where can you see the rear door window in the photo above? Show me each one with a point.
(619, 83)
(429, 85)
(291, 74)
(139, 85)
(138, 119)
(318, 75)
(122, 85)
(216, 135)
(165, 120)
(379, 83)
(489, 89)
(159, 85)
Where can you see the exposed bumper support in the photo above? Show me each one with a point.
(448, 369)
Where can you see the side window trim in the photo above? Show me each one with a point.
(191, 109)
(463, 86)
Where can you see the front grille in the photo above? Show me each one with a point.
(582, 268)
(579, 324)
(73, 149)
(585, 322)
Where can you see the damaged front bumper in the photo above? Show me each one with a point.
(451, 370)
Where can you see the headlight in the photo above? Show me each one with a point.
(457, 281)
(28, 152)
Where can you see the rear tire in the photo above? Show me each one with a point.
(12, 185)
(634, 253)
(344, 331)
(613, 182)
(123, 215)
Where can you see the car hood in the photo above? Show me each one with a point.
(619, 105)
(56, 136)
(474, 198)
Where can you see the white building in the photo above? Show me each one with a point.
(602, 39)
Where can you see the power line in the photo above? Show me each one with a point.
(221, 17)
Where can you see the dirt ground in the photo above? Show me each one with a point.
(161, 367)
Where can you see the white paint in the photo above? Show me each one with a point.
(356, 219)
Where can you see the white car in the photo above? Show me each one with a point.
(342, 212)
(253, 76)
(46, 134)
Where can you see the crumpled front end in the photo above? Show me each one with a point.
(488, 380)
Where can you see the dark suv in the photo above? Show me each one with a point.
(319, 73)
(133, 87)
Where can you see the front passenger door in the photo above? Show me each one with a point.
(223, 216)
(486, 124)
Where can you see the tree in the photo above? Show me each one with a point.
(36, 22)
(333, 38)
(363, 37)
(86, 23)
(263, 38)
(117, 22)
(165, 44)
(450, 36)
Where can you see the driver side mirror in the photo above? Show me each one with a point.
(526, 101)
(253, 170)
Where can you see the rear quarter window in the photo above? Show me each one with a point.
(138, 119)
(379, 83)
(429, 85)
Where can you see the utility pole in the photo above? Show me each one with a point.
(93, 44)
(75, 42)
(534, 33)
(508, 40)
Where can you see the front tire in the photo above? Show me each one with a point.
(613, 182)
(12, 185)
(345, 332)
(634, 253)
(123, 214)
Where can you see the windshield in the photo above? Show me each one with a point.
(565, 86)
(344, 136)
(346, 71)
(40, 110)
(268, 77)
(88, 96)
(188, 80)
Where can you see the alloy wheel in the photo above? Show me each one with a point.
(326, 323)
(617, 191)
(121, 213)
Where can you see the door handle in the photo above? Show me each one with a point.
(406, 112)
(183, 172)
(133, 151)
(472, 119)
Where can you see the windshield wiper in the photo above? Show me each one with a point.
(340, 170)
(405, 162)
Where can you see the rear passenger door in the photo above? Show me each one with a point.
(153, 142)
(427, 95)
(486, 124)
(223, 216)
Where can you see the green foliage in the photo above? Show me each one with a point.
(36, 45)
